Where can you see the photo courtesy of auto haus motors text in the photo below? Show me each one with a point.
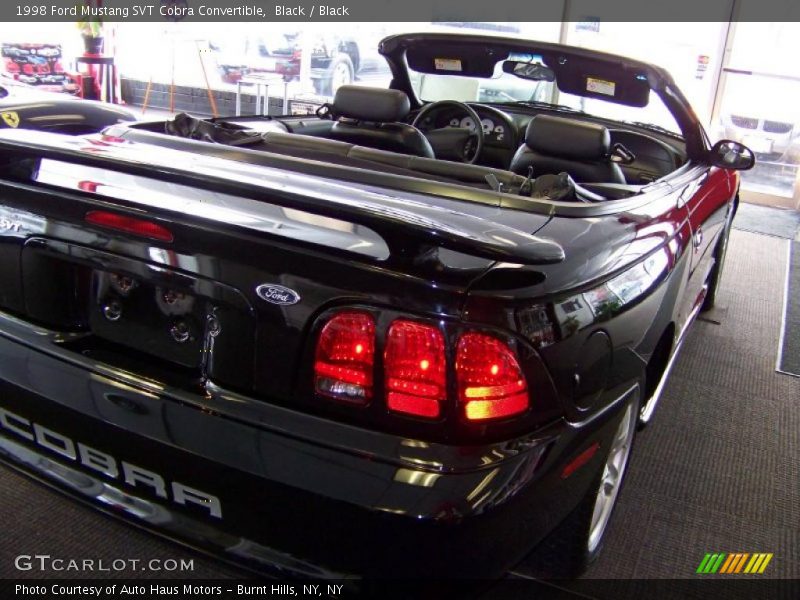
(140, 590)
(400, 300)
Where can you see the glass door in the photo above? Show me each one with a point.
(757, 104)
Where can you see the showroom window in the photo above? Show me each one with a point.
(736, 75)
(758, 104)
(303, 61)
(691, 52)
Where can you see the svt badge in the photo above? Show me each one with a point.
(10, 118)
(277, 294)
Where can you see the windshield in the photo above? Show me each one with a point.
(506, 87)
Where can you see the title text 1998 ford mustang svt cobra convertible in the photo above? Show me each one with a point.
(413, 334)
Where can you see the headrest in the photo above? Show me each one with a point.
(567, 138)
(370, 104)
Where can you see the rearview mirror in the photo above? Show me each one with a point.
(728, 154)
(529, 70)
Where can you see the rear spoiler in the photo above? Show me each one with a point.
(401, 222)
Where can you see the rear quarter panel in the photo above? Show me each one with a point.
(626, 279)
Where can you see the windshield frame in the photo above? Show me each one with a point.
(504, 90)
(395, 48)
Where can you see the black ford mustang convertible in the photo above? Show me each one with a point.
(414, 334)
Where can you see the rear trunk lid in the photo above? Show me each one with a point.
(251, 257)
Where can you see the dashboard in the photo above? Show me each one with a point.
(503, 132)
(493, 130)
(499, 129)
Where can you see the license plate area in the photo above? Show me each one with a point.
(162, 320)
(139, 310)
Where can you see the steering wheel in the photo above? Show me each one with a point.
(453, 143)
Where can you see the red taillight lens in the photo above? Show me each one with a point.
(139, 227)
(344, 358)
(414, 364)
(490, 381)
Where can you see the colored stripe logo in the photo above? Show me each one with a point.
(734, 563)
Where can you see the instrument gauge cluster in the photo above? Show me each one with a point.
(498, 129)
(494, 131)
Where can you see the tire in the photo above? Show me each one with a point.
(715, 276)
(341, 72)
(577, 542)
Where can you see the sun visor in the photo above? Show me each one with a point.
(605, 80)
(455, 59)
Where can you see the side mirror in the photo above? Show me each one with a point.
(728, 154)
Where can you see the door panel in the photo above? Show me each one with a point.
(707, 204)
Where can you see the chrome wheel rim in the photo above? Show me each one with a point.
(613, 471)
(340, 77)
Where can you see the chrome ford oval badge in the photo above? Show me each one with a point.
(277, 294)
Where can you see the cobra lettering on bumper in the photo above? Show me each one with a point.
(104, 463)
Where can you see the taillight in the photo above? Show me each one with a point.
(131, 225)
(490, 381)
(415, 369)
(344, 359)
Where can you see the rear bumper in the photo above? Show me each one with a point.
(277, 490)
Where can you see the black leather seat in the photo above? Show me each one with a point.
(555, 144)
(371, 117)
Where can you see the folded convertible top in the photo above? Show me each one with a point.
(402, 222)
